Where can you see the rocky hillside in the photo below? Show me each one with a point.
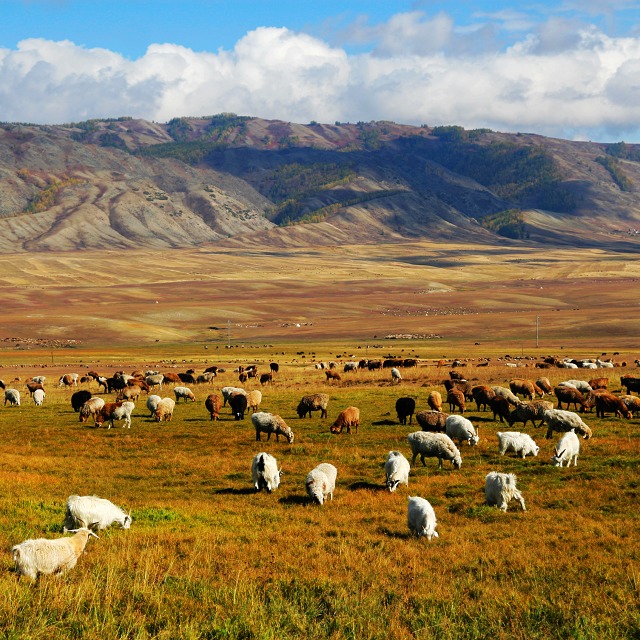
(237, 181)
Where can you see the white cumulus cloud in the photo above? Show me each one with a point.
(554, 80)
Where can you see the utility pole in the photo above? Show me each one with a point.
(228, 334)
(537, 329)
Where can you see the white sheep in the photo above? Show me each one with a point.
(500, 489)
(460, 428)
(90, 408)
(12, 396)
(154, 379)
(421, 518)
(185, 393)
(33, 557)
(269, 423)
(395, 376)
(561, 420)
(507, 394)
(396, 470)
(522, 444)
(567, 449)
(581, 385)
(434, 445)
(228, 391)
(94, 513)
(39, 379)
(38, 397)
(152, 404)
(164, 410)
(604, 364)
(321, 482)
(265, 472)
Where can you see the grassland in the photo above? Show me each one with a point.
(206, 557)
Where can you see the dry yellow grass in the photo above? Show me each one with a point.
(206, 557)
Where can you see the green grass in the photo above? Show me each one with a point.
(206, 557)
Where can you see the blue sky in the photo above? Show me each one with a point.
(566, 69)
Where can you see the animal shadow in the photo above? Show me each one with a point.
(236, 492)
(356, 486)
(299, 500)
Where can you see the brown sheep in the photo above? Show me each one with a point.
(213, 404)
(570, 396)
(139, 382)
(435, 401)
(632, 402)
(129, 393)
(523, 387)
(171, 378)
(607, 402)
(32, 386)
(533, 411)
(332, 375)
(348, 418)
(599, 383)
(432, 420)
(254, 398)
(544, 384)
(482, 394)
(314, 402)
(500, 407)
(455, 398)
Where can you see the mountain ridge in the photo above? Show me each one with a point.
(235, 181)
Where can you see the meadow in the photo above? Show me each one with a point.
(207, 557)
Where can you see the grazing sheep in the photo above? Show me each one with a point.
(567, 449)
(254, 398)
(630, 383)
(205, 377)
(507, 395)
(152, 404)
(33, 386)
(42, 556)
(265, 378)
(434, 445)
(570, 396)
(500, 489)
(350, 366)
(559, 420)
(39, 379)
(405, 408)
(455, 398)
(435, 401)
(79, 398)
(607, 402)
(348, 418)
(632, 403)
(38, 397)
(115, 411)
(432, 420)
(321, 482)
(12, 396)
(529, 411)
(522, 444)
(68, 380)
(500, 407)
(164, 410)
(460, 428)
(526, 388)
(90, 408)
(396, 377)
(238, 404)
(227, 391)
(171, 378)
(599, 383)
(265, 473)
(544, 384)
(269, 423)
(130, 394)
(213, 404)
(155, 380)
(421, 518)
(482, 395)
(93, 513)
(314, 402)
(581, 385)
(185, 393)
(396, 470)
(332, 375)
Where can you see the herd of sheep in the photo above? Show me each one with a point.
(437, 438)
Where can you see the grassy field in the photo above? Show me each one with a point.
(207, 557)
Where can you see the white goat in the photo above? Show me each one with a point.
(500, 489)
(12, 396)
(567, 449)
(321, 482)
(396, 469)
(460, 428)
(38, 397)
(33, 557)
(94, 513)
(265, 472)
(522, 444)
(421, 518)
